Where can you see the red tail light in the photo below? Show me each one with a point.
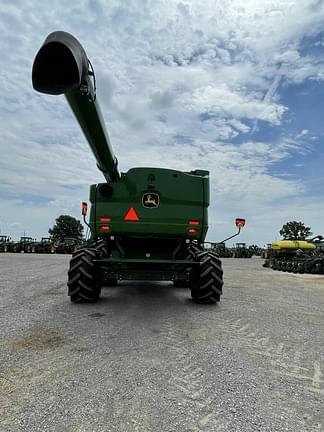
(105, 219)
(194, 222)
(104, 228)
(193, 231)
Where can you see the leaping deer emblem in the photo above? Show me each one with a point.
(150, 200)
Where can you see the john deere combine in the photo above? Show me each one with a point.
(146, 224)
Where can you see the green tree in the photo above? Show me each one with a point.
(294, 230)
(66, 226)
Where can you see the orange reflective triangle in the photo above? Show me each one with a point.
(131, 215)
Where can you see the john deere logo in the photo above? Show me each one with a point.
(151, 200)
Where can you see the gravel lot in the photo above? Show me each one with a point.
(145, 358)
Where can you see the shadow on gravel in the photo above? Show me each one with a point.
(140, 292)
(162, 293)
(158, 300)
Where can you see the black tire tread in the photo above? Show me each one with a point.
(81, 284)
(208, 286)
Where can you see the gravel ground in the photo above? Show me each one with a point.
(145, 358)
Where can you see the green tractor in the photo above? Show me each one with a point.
(147, 223)
(265, 251)
(241, 251)
(68, 245)
(25, 245)
(255, 250)
(46, 245)
(221, 250)
(5, 243)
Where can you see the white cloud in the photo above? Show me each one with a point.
(221, 100)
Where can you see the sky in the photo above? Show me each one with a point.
(235, 87)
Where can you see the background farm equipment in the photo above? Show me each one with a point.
(297, 256)
(67, 246)
(255, 250)
(25, 245)
(46, 245)
(265, 251)
(241, 251)
(5, 244)
(220, 248)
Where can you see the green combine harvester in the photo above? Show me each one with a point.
(147, 223)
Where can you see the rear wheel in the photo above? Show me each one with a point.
(266, 263)
(275, 265)
(289, 266)
(295, 267)
(81, 276)
(319, 269)
(100, 247)
(207, 281)
(301, 267)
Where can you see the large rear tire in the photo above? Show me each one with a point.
(81, 276)
(207, 282)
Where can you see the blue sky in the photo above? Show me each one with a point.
(232, 86)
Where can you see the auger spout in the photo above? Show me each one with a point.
(61, 66)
